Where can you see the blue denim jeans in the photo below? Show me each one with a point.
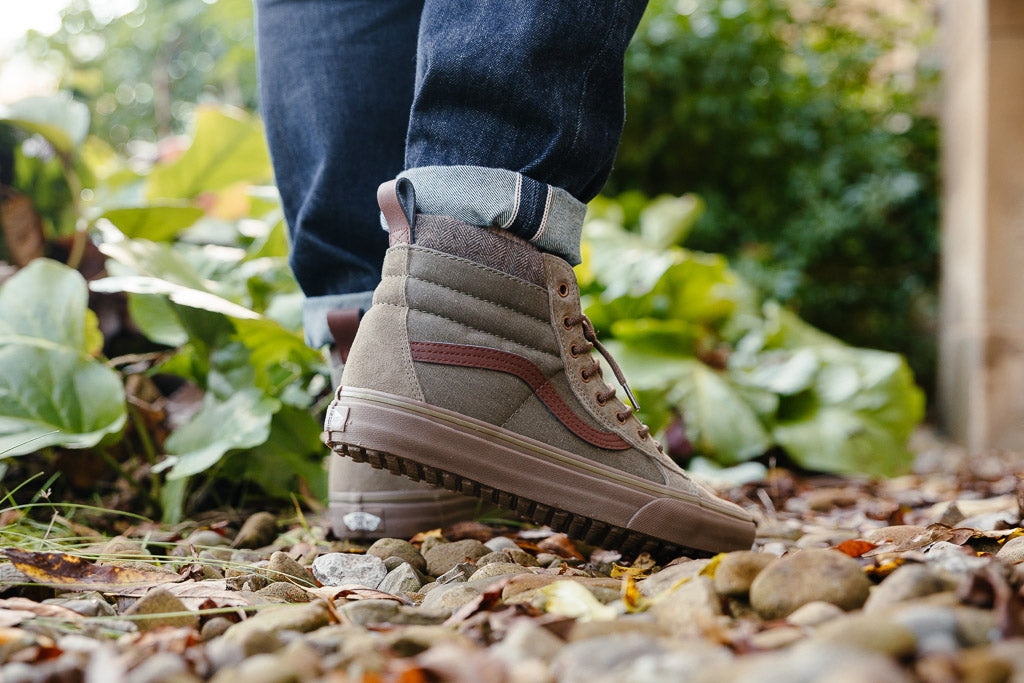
(503, 113)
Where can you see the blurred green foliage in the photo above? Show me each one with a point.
(806, 129)
(143, 72)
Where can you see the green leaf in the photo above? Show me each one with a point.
(834, 439)
(157, 222)
(62, 121)
(228, 147)
(51, 388)
(718, 419)
(241, 421)
(292, 449)
(155, 317)
(272, 345)
(666, 221)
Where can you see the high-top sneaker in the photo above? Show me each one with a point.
(474, 370)
(366, 503)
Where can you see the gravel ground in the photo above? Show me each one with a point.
(917, 578)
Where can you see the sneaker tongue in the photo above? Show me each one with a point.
(491, 247)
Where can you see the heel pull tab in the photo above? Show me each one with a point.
(397, 200)
(343, 324)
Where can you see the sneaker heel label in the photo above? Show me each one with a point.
(361, 521)
(337, 418)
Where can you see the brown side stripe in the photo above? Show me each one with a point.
(485, 358)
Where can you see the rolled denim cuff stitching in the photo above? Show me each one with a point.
(548, 216)
(316, 308)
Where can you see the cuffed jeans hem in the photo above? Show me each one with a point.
(316, 308)
(548, 216)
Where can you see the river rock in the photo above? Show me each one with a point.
(906, 583)
(808, 576)
(340, 569)
(396, 547)
(1012, 551)
(443, 556)
(401, 580)
(258, 531)
(496, 569)
(684, 609)
(449, 596)
(282, 567)
(160, 603)
(736, 571)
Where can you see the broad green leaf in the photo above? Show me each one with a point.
(834, 439)
(62, 121)
(272, 345)
(667, 220)
(228, 147)
(155, 317)
(292, 449)
(241, 421)
(718, 419)
(52, 397)
(49, 381)
(185, 296)
(780, 372)
(157, 222)
(44, 304)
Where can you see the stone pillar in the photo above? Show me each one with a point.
(981, 373)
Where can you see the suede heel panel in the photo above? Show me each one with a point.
(380, 356)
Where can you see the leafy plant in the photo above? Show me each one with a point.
(810, 131)
(741, 375)
(196, 245)
(53, 389)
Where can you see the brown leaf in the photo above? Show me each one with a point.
(561, 545)
(74, 573)
(354, 592)
(485, 602)
(22, 227)
(39, 609)
(855, 548)
(463, 530)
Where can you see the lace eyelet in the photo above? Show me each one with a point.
(621, 418)
(584, 376)
(573, 351)
(643, 437)
(566, 324)
(563, 289)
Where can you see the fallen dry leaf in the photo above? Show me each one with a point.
(561, 545)
(38, 609)
(74, 573)
(855, 548)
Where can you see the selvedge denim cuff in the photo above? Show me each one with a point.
(316, 308)
(548, 216)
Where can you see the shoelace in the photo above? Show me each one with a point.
(590, 334)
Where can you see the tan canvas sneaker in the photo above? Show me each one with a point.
(474, 371)
(367, 503)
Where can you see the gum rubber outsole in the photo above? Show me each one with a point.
(595, 503)
(577, 526)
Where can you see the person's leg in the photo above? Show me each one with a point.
(518, 112)
(474, 367)
(336, 86)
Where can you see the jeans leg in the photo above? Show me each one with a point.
(522, 100)
(336, 86)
